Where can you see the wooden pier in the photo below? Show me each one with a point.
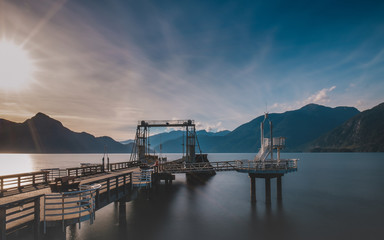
(28, 202)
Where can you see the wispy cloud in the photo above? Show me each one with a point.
(215, 127)
(101, 69)
(321, 97)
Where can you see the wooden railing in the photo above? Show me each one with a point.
(85, 171)
(54, 173)
(122, 165)
(18, 181)
(78, 205)
(142, 179)
(275, 165)
(197, 167)
(238, 165)
(108, 184)
(19, 214)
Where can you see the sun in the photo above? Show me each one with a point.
(16, 66)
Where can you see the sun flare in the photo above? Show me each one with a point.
(16, 66)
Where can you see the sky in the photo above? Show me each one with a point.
(101, 66)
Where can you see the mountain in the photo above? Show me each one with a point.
(42, 134)
(174, 139)
(174, 142)
(126, 142)
(362, 133)
(300, 127)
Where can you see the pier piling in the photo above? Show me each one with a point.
(268, 190)
(253, 188)
(279, 188)
(2, 223)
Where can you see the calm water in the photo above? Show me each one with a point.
(332, 196)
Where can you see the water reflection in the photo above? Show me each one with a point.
(15, 163)
(330, 197)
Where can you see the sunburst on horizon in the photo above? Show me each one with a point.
(16, 66)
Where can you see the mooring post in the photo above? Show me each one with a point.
(279, 188)
(2, 223)
(253, 188)
(268, 190)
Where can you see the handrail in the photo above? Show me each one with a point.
(70, 205)
(21, 180)
(22, 174)
(180, 167)
(142, 178)
(54, 173)
(122, 165)
(282, 164)
(289, 164)
(82, 171)
(21, 211)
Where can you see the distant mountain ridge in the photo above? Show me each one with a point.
(362, 133)
(310, 128)
(42, 134)
(300, 127)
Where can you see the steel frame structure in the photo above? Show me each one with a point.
(142, 147)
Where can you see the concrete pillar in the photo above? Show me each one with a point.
(279, 188)
(268, 190)
(253, 189)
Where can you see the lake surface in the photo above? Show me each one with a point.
(331, 196)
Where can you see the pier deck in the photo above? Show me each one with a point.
(25, 206)
(36, 204)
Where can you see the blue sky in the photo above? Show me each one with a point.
(103, 65)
